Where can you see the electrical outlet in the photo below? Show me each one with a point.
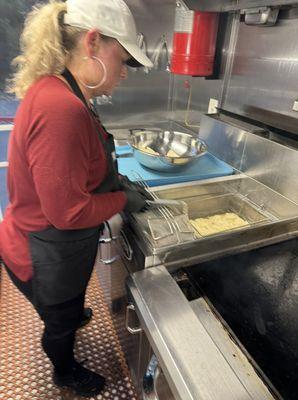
(213, 104)
(295, 106)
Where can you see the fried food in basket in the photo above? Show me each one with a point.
(218, 223)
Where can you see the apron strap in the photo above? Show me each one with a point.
(77, 91)
(74, 85)
(111, 183)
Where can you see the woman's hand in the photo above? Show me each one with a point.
(136, 202)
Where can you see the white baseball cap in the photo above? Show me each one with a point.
(112, 18)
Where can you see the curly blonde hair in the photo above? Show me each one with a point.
(45, 45)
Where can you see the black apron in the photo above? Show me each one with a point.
(63, 260)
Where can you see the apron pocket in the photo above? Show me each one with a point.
(61, 270)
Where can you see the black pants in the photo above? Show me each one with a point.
(60, 324)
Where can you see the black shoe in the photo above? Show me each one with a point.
(87, 316)
(81, 380)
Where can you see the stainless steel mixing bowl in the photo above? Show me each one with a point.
(183, 149)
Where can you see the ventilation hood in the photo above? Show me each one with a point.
(232, 5)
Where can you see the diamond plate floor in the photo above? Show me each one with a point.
(25, 372)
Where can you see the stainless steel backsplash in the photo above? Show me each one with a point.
(262, 83)
(264, 80)
(144, 97)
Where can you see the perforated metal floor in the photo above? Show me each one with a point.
(25, 372)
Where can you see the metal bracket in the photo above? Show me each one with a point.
(261, 16)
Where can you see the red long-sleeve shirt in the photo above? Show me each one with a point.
(55, 161)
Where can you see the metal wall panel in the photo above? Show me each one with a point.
(272, 164)
(264, 81)
(268, 162)
(202, 91)
(225, 141)
(143, 97)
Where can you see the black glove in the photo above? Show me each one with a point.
(136, 202)
(126, 184)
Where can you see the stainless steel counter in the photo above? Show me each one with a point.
(196, 354)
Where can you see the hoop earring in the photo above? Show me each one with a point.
(98, 60)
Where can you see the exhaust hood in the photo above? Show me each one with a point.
(233, 5)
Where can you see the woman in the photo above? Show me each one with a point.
(62, 179)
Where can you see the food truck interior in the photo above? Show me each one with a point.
(186, 306)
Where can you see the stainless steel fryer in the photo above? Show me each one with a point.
(271, 216)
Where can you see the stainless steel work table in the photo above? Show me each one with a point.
(195, 351)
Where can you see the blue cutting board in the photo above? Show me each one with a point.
(207, 166)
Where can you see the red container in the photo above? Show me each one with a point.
(194, 43)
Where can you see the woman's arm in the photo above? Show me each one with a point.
(58, 157)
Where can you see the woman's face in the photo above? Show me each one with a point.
(114, 57)
(94, 51)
